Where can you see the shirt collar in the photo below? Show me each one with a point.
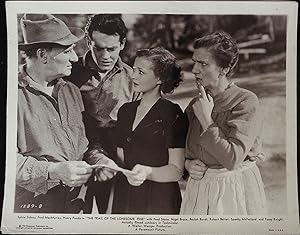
(227, 99)
(24, 80)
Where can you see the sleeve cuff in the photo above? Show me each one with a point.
(210, 125)
(39, 177)
(208, 135)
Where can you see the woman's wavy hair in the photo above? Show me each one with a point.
(222, 47)
(165, 67)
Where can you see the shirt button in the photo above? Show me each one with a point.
(128, 139)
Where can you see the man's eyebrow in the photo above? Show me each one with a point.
(139, 68)
(112, 47)
(97, 46)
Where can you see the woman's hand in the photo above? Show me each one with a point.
(105, 173)
(139, 174)
(196, 168)
(259, 156)
(203, 107)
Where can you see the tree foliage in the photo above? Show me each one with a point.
(177, 32)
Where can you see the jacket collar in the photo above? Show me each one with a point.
(228, 99)
(24, 80)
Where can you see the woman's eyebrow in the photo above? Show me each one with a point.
(199, 60)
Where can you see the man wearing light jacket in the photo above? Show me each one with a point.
(53, 158)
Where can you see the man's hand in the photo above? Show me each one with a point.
(105, 173)
(139, 174)
(203, 107)
(72, 173)
(196, 168)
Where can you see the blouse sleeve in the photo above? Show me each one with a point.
(244, 124)
(176, 126)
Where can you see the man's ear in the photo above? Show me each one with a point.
(41, 54)
(225, 70)
(123, 44)
(88, 42)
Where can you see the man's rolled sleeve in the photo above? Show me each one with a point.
(32, 174)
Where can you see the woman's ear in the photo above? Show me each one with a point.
(123, 43)
(159, 82)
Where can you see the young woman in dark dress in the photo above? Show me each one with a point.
(152, 134)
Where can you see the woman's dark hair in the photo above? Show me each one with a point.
(165, 67)
(111, 24)
(222, 47)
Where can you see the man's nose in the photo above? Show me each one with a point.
(106, 54)
(74, 57)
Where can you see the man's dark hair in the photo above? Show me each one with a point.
(111, 24)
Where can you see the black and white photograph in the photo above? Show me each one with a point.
(151, 118)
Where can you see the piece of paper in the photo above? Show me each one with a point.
(115, 168)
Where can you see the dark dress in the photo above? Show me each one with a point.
(163, 127)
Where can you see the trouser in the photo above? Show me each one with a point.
(105, 137)
(101, 192)
(59, 199)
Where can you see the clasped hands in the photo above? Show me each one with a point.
(203, 107)
(196, 168)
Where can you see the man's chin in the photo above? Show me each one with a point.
(105, 68)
